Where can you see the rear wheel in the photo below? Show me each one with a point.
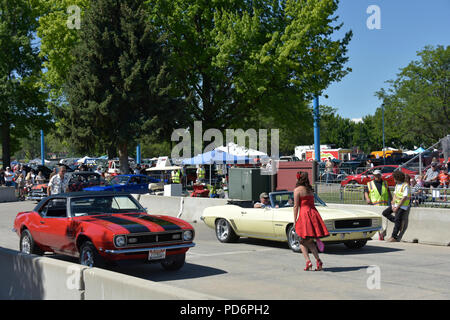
(355, 244)
(293, 239)
(27, 244)
(224, 231)
(175, 262)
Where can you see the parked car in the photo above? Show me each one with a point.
(78, 181)
(366, 176)
(101, 227)
(276, 222)
(132, 183)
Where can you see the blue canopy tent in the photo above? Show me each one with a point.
(215, 157)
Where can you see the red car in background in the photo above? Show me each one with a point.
(366, 176)
(102, 227)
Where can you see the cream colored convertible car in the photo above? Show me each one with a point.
(276, 221)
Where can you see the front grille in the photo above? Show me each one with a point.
(353, 223)
(152, 238)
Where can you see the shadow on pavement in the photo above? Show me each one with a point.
(344, 269)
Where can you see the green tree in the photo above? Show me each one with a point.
(118, 89)
(22, 104)
(238, 60)
(417, 101)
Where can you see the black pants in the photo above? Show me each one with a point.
(397, 219)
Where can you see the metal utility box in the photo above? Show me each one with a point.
(247, 183)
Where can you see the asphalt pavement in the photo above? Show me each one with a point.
(257, 269)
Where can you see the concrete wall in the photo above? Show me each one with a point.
(187, 208)
(7, 194)
(26, 277)
(30, 277)
(423, 225)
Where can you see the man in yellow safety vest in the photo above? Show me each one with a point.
(176, 176)
(201, 173)
(377, 191)
(399, 204)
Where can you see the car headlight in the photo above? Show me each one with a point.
(120, 241)
(188, 235)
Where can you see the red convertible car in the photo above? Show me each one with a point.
(366, 176)
(101, 227)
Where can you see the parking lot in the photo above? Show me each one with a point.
(256, 269)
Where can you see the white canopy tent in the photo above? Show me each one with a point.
(236, 150)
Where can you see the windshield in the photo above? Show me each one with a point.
(103, 205)
(286, 200)
(119, 180)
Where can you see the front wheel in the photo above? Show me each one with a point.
(293, 239)
(355, 244)
(89, 256)
(175, 262)
(224, 231)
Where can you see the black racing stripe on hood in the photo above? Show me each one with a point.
(167, 225)
(131, 226)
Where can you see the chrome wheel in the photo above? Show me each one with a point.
(26, 244)
(293, 239)
(87, 258)
(222, 229)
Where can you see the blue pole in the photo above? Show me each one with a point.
(138, 153)
(316, 129)
(42, 148)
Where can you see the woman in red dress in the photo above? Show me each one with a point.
(308, 222)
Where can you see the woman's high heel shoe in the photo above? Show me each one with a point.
(308, 266)
(319, 265)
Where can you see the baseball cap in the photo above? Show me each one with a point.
(263, 195)
(377, 172)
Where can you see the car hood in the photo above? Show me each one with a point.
(99, 188)
(135, 223)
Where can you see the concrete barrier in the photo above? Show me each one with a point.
(7, 194)
(423, 225)
(106, 285)
(31, 277)
(187, 208)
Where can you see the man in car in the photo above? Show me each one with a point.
(264, 201)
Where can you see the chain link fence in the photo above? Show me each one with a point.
(354, 194)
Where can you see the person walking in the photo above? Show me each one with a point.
(399, 204)
(308, 222)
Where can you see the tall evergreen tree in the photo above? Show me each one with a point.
(118, 87)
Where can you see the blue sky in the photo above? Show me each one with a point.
(376, 56)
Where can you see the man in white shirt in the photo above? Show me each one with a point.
(58, 183)
(9, 176)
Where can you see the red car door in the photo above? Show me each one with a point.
(55, 226)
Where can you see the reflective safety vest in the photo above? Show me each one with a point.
(201, 173)
(376, 198)
(176, 176)
(399, 194)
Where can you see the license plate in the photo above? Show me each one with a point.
(157, 254)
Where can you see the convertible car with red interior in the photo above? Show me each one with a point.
(102, 227)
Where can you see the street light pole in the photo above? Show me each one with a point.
(316, 129)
